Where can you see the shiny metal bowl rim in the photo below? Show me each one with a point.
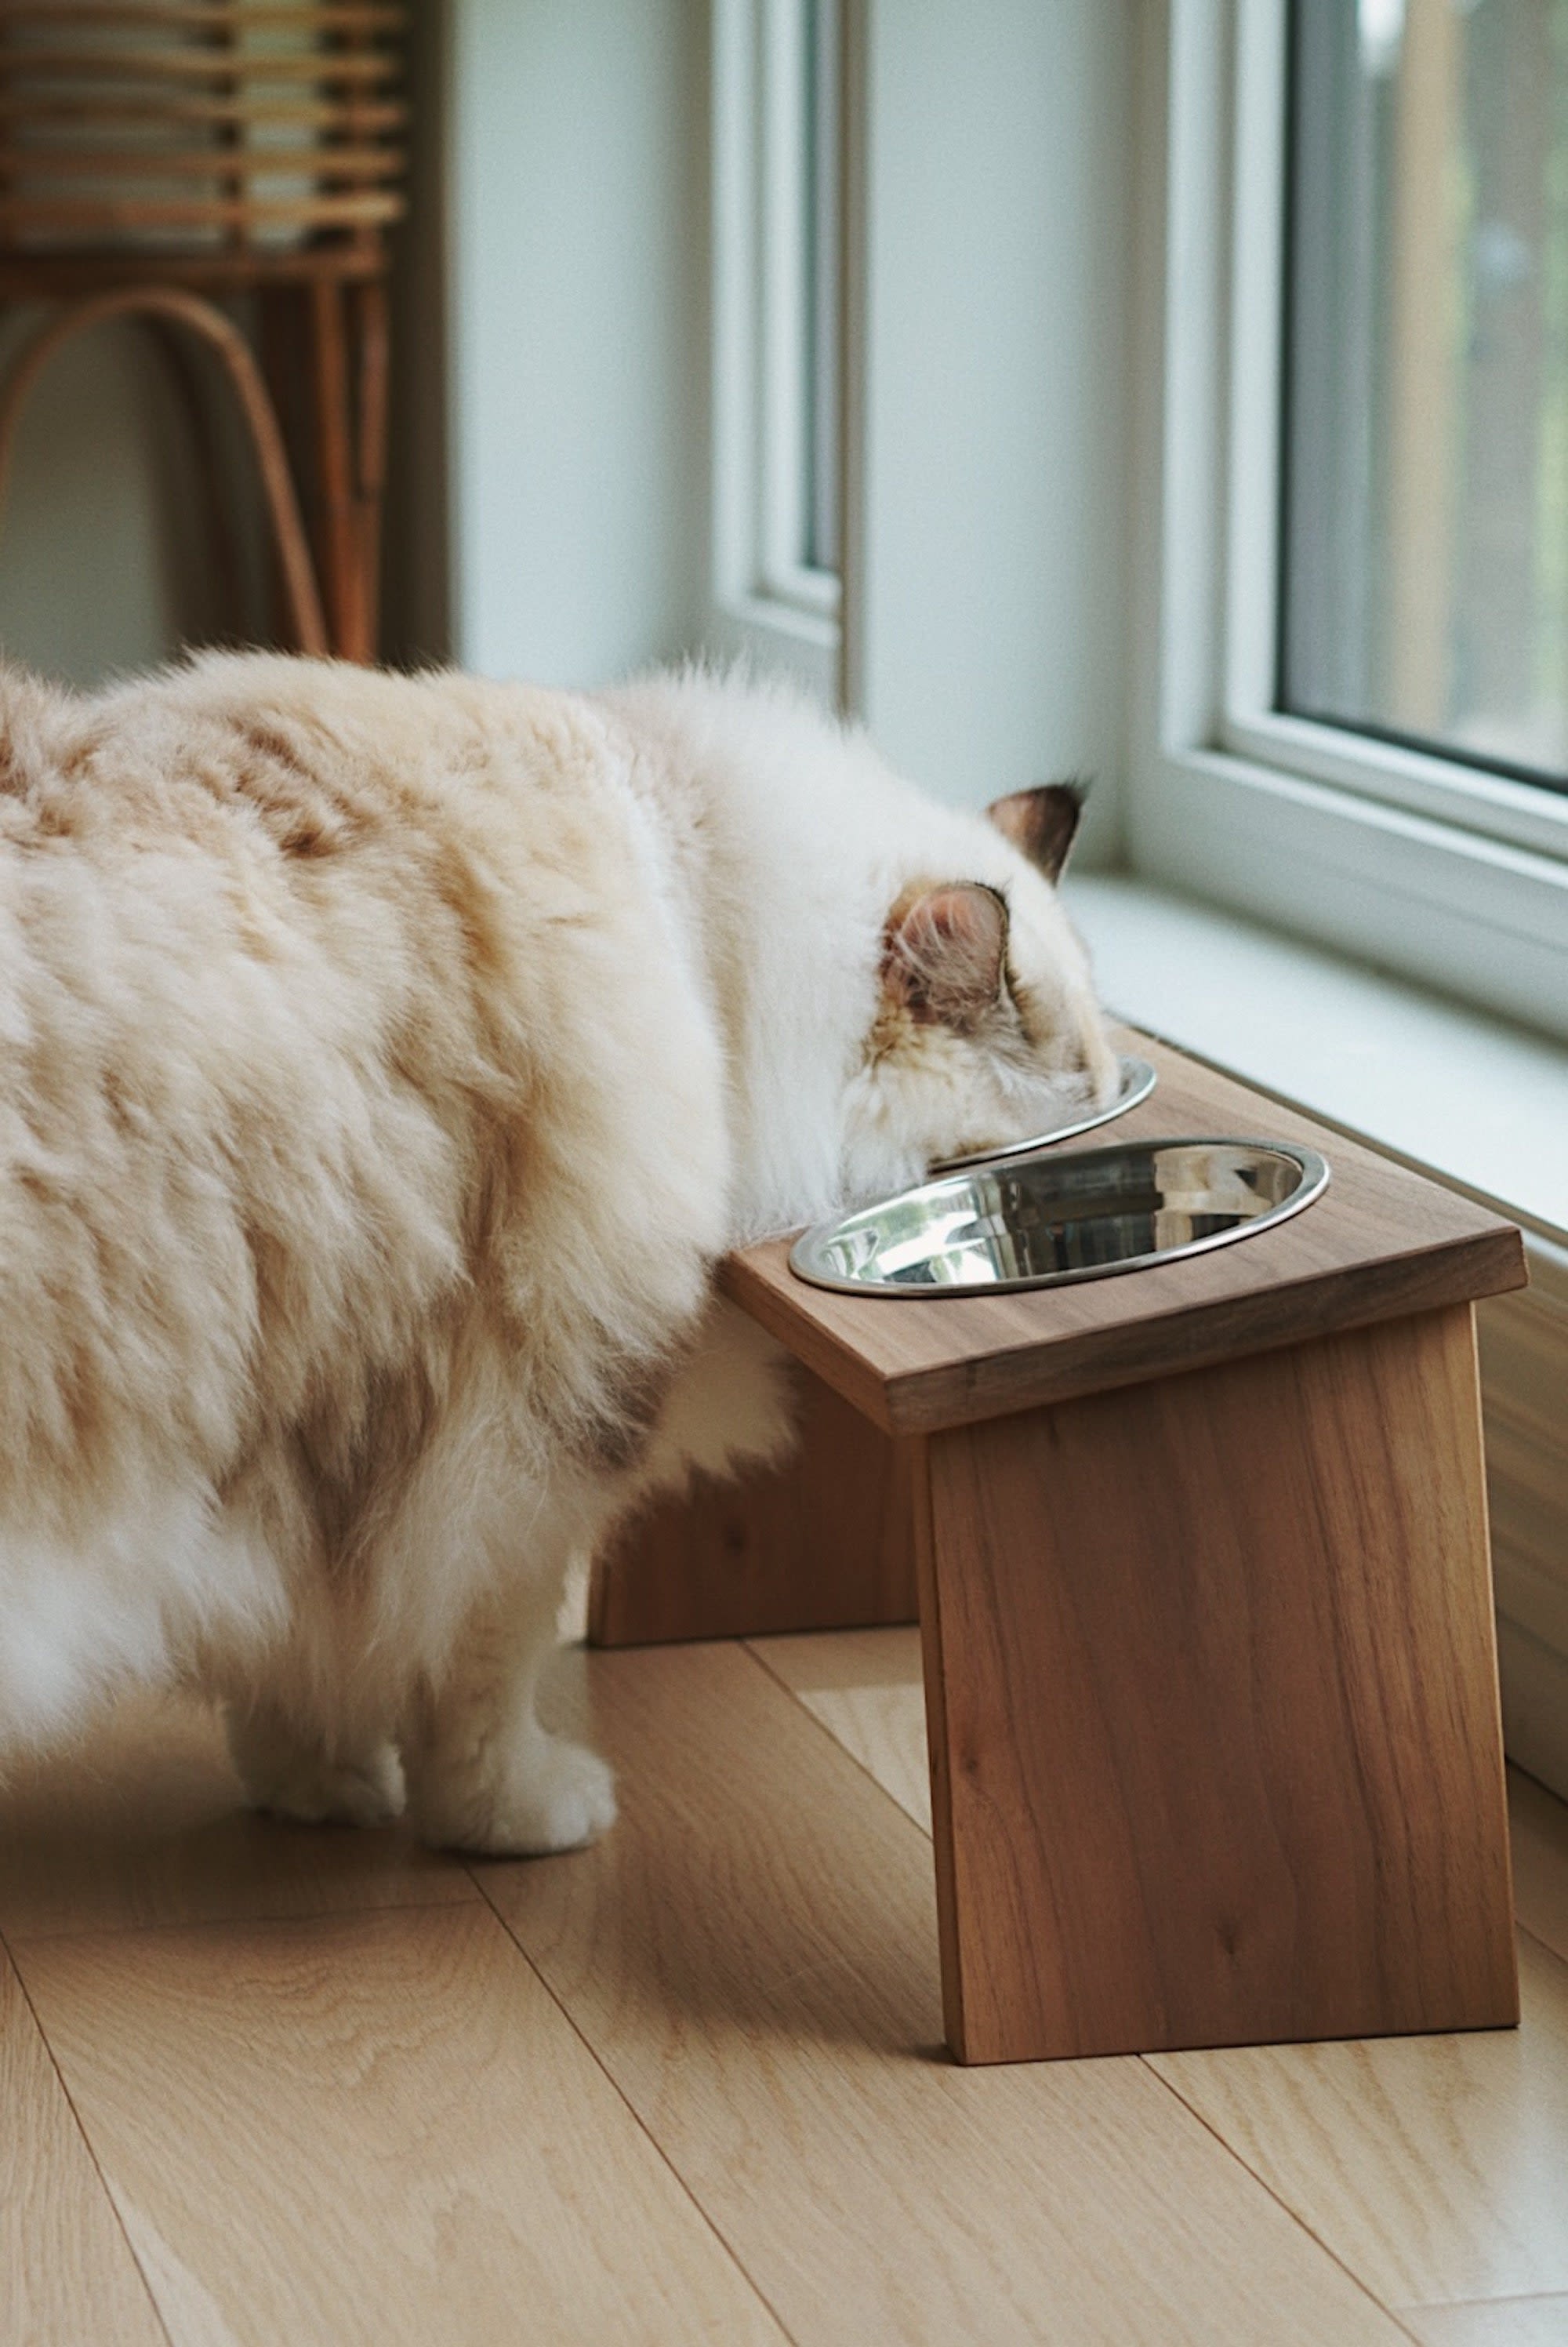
(1314, 1179)
(1138, 1081)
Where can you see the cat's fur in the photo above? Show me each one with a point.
(384, 1064)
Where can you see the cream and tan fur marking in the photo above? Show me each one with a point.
(384, 1064)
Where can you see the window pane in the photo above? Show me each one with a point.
(820, 406)
(1425, 570)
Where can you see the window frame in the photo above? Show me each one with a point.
(1450, 874)
(766, 600)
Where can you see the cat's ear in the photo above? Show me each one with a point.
(1043, 823)
(944, 952)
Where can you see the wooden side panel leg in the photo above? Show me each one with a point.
(1212, 1690)
(279, 310)
(372, 372)
(337, 550)
(824, 1543)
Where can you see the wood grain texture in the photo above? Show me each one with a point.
(67, 2273)
(333, 436)
(1433, 2167)
(1382, 1243)
(184, 63)
(778, 1901)
(229, 164)
(377, 2130)
(70, 275)
(65, 184)
(219, 21)
(750, 1954)
(865, 1687)
(372, 336)
(136, 132)
(145, 1824)
(1491, 2323)
(1213, 1704)
(85, 216)
(824, 1542)
(178, 110)
(208, 16)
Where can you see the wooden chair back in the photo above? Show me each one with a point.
(199, 125)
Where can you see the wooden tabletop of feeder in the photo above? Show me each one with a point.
(1382, 1242)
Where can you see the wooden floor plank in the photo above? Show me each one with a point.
(67, 2273)
(145, 1824)
(753, 1955)
(1539, 1823)
(1435, 2167)
(866, 1690)
(377, 2128)
(1491, 2322)
(316, 2125)
(865, 1687)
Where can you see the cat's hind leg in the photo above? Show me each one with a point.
(291, 1774)
(484, 1774)
(293, 1768)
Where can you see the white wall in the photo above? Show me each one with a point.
(569, 187)
(106, 543)
(999, 159)
(579, 375)
(990, 616)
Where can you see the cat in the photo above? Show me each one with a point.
(385, 1063)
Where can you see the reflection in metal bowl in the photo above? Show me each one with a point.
(1043, 1221)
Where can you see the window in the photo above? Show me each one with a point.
(1425, 551)
(1348, 727)
(778, 302)
(823, 284)
(801, 368)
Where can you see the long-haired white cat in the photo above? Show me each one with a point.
(384, 1065)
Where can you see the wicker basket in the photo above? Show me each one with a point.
(199, 126)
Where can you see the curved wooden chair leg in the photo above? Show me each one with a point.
(204, 319)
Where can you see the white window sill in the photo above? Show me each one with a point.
(1464, 1096)
(773, 635)
(1459, 1092)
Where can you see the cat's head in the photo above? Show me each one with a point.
(987, 1029)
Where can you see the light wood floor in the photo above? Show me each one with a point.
(271, 2085)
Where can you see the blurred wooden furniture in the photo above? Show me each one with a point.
(1201, 1563)
(159, 159)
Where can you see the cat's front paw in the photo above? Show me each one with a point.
(561, 1798)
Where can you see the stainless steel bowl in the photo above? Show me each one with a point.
(1044, 1221)
(1138, 1081)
